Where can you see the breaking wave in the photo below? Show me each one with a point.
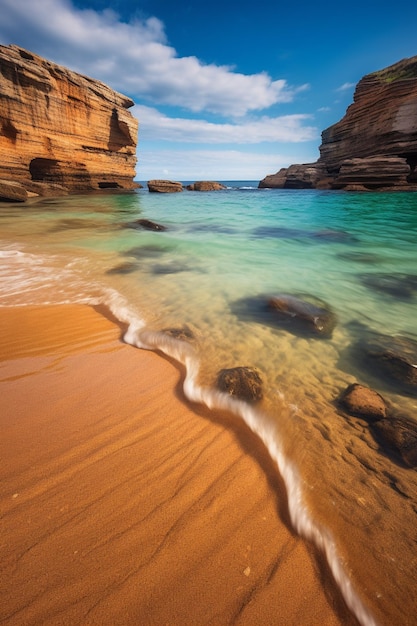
(268, 431)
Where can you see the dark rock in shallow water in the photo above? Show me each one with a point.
(147, 225)
(170, 268)
(312, 313)
(76, 224)
(359, 257)
(123, 268)
(212, 228)
(395, 358)
(363, 402)
(182, 334)
(399, 434)
(399, 286)
(150, 251)
(243, 382)
(282, 232)
(334, 236)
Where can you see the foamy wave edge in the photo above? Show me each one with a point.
(139, 336)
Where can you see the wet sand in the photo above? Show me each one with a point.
(124, 504)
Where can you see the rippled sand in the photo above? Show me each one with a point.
(122, 503)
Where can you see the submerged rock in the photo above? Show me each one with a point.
(398, 434)
(283, 232)
(147, 225)
(123, 268)
(149, 251)
(312, 313)
(243, 382)
(359, 257)
(363, 402)
(182, 334)
(403, 286)
(212, 228)
(171, 268)
(395, 434)
(395, 358)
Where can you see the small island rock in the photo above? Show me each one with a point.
(205, 185)
(164, 186)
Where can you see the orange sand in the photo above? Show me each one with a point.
(123, 504)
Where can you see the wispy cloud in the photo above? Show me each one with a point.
(346, 87)
(287, 128)
(204, 105)
(135, 58)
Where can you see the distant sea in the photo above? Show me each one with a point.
(205, 279)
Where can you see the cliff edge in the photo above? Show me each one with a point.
(374, 146)
(61, 128)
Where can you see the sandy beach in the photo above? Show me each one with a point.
(123, 504)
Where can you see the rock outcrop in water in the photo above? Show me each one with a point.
(244, 383)
(395, 434)
(308, 312)
(164, 186)
(374, 146)
(364, 402)
(59, 127)
(206, 185)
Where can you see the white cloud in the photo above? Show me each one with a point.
(135, 58)
(287, 128)
(346, 86)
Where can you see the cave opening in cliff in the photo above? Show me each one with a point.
(106, 185)
(45, 170)
(411, 159)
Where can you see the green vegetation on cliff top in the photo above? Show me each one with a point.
(403, 70)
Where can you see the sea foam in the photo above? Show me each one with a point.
(268, 431)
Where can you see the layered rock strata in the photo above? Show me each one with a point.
(59, 127)
(374, 146)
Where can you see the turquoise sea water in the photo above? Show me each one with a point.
(211, 271)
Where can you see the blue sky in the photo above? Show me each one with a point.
(222, 90)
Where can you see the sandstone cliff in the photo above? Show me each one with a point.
(374, 146)
(57, 126)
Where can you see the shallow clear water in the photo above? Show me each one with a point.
(221, 256)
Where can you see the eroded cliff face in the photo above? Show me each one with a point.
(57, 126)
(374, 146)
(381, 121)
